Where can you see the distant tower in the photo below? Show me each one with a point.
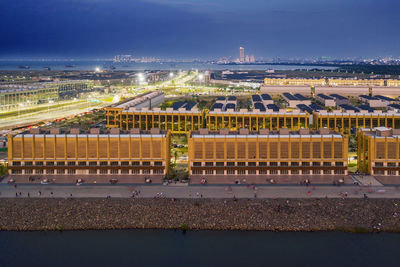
(241, 54)
(247, 59)
(252, 59)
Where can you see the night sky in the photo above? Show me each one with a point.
(199, 28)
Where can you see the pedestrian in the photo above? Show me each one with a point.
(51, 193)
(16, 194)
(40, 193)
(70, 195)
(20, 193)
(29, 195)
(15, 185)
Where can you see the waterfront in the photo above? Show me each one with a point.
(82, 65)
(196, 248)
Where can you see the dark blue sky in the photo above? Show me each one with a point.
(199, 28)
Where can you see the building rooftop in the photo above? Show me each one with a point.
(325, 97)
(337, 96)
(93, 131)
(266, 97)
(284, 132)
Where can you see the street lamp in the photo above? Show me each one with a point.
(171, 74)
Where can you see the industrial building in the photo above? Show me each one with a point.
(224, 156)
(345, 121)
(15, 96)
(296, 99)
(69, 155)
(259, 118)
(327, 101)
(373, 101)
(294, 81)
(379, 151)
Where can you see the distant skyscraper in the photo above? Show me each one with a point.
(252, 59)
(241, 54)
(247, 59)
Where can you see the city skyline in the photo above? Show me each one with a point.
(183, 29)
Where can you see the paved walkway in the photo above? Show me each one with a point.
(209, 191)
(366, 180)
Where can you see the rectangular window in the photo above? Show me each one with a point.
(241, 164)
(295, 172)
(103, 171)
(135, 171)
(219, 172)
(28, 171)
(62, 171)
(146, 171)
(92, 171)
(284, 172)
(252, 164)
(28, 163)
(125, 163)
(103, 163)
(114, 163)
(82, 163)
(378, 164)
(16, 171)
(50, 163)
(146, 163)
(16, 163)
(263, 164)
(60, 163)
(284, 164)
(208, 164)
(379, 172)
(71, 163)
(50, 172)
(305, 171)
(316, 171)
(158, 171)
(295, 164)
(38, 171)
(339, 164)
(241, 172)
(252, 172)
(338, 172)
(391, 164)
(391, 172)
(273, 172)
(197, 164)
(93, 163)
(157, 163)
(316, 164)
(219, 164)
(113, 171)
(135, 163)
(197, 172)
(327, 164)
(273, 164)
(230, 172)
(230, 164)
(262, 172)
(71, 171)
(305, 164)
(327, 172)
(39, 163)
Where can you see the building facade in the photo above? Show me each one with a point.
(263, 153)
(379, 151)
(74, 153)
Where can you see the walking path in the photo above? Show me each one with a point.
(151, 191)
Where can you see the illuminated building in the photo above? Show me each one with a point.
(223, 156)
(55, 153)
(379, 151)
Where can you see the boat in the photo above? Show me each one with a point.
(69, 66)
(24, 67)
(47, 68)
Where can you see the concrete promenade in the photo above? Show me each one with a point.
(198, 191)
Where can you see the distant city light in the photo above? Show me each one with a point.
(171, 74)
(141, 77)
(201, 76)
(97, 69)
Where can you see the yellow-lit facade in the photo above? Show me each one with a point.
(294, 81)
(272, 153)
(354, 82)
(177, 122)
(395, 83)
(122, 153)
(256, 120)
(379, 151)
(344, 122)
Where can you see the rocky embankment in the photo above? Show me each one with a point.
(357, 215)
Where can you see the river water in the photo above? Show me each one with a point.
(197, 248)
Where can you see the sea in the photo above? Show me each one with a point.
(84, 65)
(197, 248)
